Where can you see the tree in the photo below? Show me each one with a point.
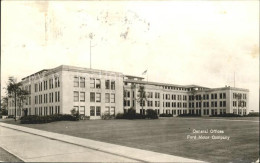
(142, 96)
(4, 104)
(14, 90)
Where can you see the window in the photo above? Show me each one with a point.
(113, 85)
(112, 111)
(76, 108)
(76, 81)
(49, 97)
(36, 111)
(58, 96)
(98, 83)
(82, 96)
(98, 97)
(107, 84)
(224, 103)
(82, 110)
(220, 95)
(107, 96)
(57, 82)
(35, 88)
(224, 95)
(98, 110)
(92, 83)
(82, 82)
(92, 110)
(112, 98)
(92, 97)
(76, 96)
(107, 110)
(50, 83)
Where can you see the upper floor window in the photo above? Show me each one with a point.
(92, 97)
(76, 81)
(113, 85)
(82, 82)
(112, 98)
(107, 84)
(98, 97)
(98, 83)
(76, 96)
(35, 88)
(82, 96)
(57, 82)
(107, 96)
(92, 83)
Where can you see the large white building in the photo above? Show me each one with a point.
(96, 92)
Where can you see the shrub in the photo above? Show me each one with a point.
(151, 114)
(107, 116)
(226, 115)
(131, 114)
(10, 116)
(189, 115)
(254, 114)
(165, 115)
(35, 119)
(120, 116)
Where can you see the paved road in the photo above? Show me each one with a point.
(33, 148)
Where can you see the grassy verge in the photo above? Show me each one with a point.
(170, 136)
(8, 157)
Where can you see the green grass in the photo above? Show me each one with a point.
(169, 135)
(8, 157)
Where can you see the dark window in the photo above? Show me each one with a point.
(92, 97)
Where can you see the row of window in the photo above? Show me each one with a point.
(39, 99)
(206, 96)
(94, 83)
(239, 111)
(38, 87)
(239, 103)
(239, 96)
(94, 97)
(44, 110)
(173, 97)
(178, 104)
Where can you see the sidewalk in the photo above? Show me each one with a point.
(76, 146)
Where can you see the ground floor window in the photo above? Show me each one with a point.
(107, 110)
(98, 110)
(112, 111)
(82, 110)
(92, 110)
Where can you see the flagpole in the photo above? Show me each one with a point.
(147, 75)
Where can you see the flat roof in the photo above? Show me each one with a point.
(132, 76)
(162, 84)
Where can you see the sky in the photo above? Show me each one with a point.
(178, 42)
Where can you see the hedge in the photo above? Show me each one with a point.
(255, 114)
(189, 115)
(131, 114)
(226, 115)
(35, 119)
(166, 115)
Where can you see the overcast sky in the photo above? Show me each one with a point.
(179, 42)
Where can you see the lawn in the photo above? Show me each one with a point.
(169, 135)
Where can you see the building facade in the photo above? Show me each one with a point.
(96, 92)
